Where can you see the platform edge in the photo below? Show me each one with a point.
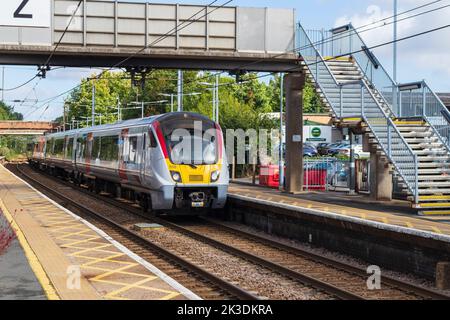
(33, 260)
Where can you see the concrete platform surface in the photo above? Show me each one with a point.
(72, 259)
(17, 280)
(395, 214)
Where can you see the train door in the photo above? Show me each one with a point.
(123, 154)
(152, 151)
(144, 155)
(88, 153)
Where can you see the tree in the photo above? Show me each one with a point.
(311, 100)
(11, 146)
(7, 113)
(108, 88)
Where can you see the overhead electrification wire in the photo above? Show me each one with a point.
(296, 49)
(350, 53)
(51, 55)
(20, 86)
(332, 39)
(161, 38)
(47, 62)
(32, 90)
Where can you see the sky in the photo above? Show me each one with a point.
(425, 57)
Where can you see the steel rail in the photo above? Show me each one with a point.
(297, 276)
(403, 286)
(221, 283)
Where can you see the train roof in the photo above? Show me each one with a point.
(130, 123)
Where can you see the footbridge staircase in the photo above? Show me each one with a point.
(406, 124)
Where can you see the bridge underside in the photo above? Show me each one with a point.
(25, 128)
(156, 58)
(21, 133)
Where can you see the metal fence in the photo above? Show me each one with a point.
(326, 174)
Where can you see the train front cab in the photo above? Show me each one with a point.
(190, 160)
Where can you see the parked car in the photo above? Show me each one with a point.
(333, 150)
(322, 148)
(357, 149)
(309, 150)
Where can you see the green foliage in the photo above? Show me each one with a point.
(311, 100)
(13, 147)
(241, 105)
(7, 113)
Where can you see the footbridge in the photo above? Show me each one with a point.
(99, 33)
(26, 128)
(406, 127)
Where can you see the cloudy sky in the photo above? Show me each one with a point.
(425, 57)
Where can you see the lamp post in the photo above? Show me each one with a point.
(3, 83)
(118, 109)
(217, 98)
(395, 39)
(93, 103)
(171, 95)
(180, 90)
(141, 105)
(215, 90)
(281, 160)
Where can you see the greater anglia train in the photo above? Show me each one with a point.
(173, 163)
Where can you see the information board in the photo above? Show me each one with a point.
(26, 13)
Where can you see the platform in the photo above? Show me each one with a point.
(394, 213)
(380, 233)
(72, 259)
(17, 280)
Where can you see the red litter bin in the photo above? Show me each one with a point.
(269, 175)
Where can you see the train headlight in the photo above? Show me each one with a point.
(176, 176)
(215, 176)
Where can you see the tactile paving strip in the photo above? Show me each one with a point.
(109, 270)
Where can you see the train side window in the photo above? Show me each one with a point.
(109, 149)
(132, 155)
(58, 149)
(51, 145)
(81, 146)
(152, 143)
(96, 148)
(69, 149)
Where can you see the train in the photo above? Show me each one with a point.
(172, 163)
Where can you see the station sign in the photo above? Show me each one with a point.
(26, 13)
(317, 134)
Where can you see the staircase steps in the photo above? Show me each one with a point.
(340, 92)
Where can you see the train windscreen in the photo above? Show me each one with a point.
(191, 141)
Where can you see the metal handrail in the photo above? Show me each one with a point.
(388, 150)
(318, 54)
(396, 98)
(430, 123)
(361, 39)
(410, 174)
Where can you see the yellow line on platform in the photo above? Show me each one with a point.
(437, 230)
(35, 265)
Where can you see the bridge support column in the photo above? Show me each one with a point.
(384, 180)
(381, 185)
(293, 85)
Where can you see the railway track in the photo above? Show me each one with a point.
(340, 280)
(200, 281)
(292, 260)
